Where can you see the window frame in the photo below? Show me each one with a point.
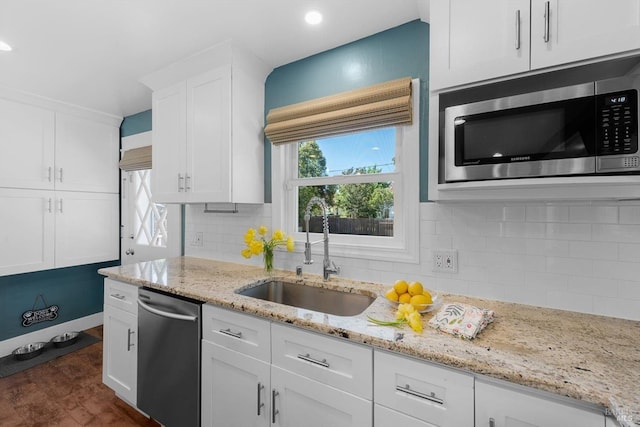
(404, 245)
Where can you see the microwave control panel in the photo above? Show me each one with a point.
(617, 119)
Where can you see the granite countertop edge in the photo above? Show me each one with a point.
(216, 282)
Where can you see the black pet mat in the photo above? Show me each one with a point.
(9, 365)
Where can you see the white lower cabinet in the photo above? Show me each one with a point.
(385, 417)
(235, 388)
(120, 330)
(505, 406)
(439, 396)
(300, 401)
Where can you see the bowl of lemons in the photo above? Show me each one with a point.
(403, 292)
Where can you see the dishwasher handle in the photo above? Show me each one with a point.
(166, 314)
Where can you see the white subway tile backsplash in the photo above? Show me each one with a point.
(594, 214)
(572, 256)
(629, 214)
(546, 213)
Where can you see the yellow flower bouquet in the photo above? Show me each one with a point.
(257, 243)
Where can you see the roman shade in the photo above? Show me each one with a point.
(380, 105)
(136, 159)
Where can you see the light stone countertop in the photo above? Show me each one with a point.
(592, 358)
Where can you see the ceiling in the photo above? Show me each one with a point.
(92, 53)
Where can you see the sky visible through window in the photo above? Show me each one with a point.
(371, 148)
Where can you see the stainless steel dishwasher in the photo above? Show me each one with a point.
(169, 331)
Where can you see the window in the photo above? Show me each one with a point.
(149, 219)
(370, 183)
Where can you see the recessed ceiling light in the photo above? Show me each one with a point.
(4, 47)
(313, 17)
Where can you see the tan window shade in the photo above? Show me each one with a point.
(381, 105)
(136, 159)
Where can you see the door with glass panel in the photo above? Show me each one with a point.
(149, 230)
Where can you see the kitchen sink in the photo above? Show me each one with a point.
(314, 298)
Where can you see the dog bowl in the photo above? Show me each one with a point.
(65, 339)
(28, 351)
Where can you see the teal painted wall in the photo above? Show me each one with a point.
(398, 52)
(78, 291)
(136, 123)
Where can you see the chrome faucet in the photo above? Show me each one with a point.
(328, 266)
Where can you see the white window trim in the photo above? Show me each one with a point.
(405, 244)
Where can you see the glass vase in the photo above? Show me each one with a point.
(268, 261)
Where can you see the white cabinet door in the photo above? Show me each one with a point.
(86, 155)
(209, 137)
(506, 407)
(582, 29)
(26, 230)
(120, 355)
(299, 401)
(235, 388)
(27, 135)
(87, 228)
(169, 144)
(473, 41)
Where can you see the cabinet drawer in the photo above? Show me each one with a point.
(422, 390)
(121, 295)
(331, 361)
(385, 417)
(240, 332)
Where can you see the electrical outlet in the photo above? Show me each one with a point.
(445, 260)
(198, 239)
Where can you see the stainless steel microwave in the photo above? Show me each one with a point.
(584, 129)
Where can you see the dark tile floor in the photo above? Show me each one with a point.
(66, 391)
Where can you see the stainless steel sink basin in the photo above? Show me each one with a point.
(328, 301)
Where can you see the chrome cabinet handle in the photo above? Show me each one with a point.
(50, 170)
(118, 296)
(546, 21)
(492, 422)
(180, 186)
(229, 332)
(274, 411)
(518, 29)
(307, 357)
(187, 182)
(129, 344)
(260, 404)
(60, 178)
(430, 397)
(49, 205)
(60, 206)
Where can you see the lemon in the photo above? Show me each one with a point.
(415, 288)
(401, 287)
(428, 295)
(404, 298)
(420, 301)
(391, 295)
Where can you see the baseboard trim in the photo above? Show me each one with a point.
(87, 322)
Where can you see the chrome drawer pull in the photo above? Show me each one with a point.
(308, 358)
(229, 332)
(129, 344)
(430, 397)
(260, 404)
(118, 296)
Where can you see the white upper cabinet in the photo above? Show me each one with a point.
(581, 29)
(27, 135)
(208, 116)
(86, 155)
(476, 40)
(473, 41)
